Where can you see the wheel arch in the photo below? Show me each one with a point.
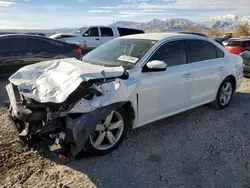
(128, 107)
(233, 79)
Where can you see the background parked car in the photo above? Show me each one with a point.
(237, 46)
(92, 37)
(17, 51)
(246, 62)
(39, 34)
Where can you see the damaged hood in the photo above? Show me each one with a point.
(53, 81)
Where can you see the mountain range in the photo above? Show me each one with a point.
(228, 21)
(225, 22)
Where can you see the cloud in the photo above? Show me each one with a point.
(134, 1)
(53, 7)
(6, 3)
(241, 7)
(141, 13)
(196, 4)
(99, 11)
(116, 7)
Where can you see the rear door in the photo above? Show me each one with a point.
(208, 65)
(107, 34)
(38, 49)
(11, 54)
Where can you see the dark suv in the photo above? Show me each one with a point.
(17, 51)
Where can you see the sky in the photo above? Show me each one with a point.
(51, 14)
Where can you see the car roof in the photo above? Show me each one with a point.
(34, 37)
(159, 36)
(240, 39)
(22, 35)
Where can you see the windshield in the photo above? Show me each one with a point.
(79, 31)
(125, 52)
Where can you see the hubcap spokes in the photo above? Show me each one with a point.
(108, 133)
(226, 93)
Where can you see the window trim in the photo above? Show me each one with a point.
(163, 43)
(106, 28)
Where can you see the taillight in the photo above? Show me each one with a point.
(78, 51)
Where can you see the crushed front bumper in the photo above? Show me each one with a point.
(20, 116)
(75, 131)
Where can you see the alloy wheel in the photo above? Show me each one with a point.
(226, 93)
(108, 132)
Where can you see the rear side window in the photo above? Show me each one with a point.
(126, 31)
(200, 50)
(92, 32)
(234, 43)
(106, 32)
(172, 53)
(11, 44)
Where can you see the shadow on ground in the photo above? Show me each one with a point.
(203, 147)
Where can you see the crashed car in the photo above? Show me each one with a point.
(126, 83)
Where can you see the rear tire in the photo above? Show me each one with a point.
(224, 94)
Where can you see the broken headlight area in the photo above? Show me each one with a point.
(69, 123)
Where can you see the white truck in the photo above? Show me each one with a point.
(91, 37)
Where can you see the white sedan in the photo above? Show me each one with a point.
(126, 83)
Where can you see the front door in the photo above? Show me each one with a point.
(91, 39)
(165, 93)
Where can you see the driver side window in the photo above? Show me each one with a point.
(92, 32)
(172, 53)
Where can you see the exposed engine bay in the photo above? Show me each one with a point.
(73, 115)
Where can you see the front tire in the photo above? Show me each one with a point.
(224, 94)
(108, 134)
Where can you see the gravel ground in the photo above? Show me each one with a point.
(203, 147)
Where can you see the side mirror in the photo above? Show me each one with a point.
(154, 66)
(85, 34)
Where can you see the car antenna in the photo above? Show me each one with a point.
(104, 75)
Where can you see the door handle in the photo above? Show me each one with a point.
(221, 67)
(187, 75)
(97, 39)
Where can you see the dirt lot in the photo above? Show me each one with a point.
(199, 148)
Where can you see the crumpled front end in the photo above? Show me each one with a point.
(70, 122)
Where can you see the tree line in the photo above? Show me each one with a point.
(241, 30)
